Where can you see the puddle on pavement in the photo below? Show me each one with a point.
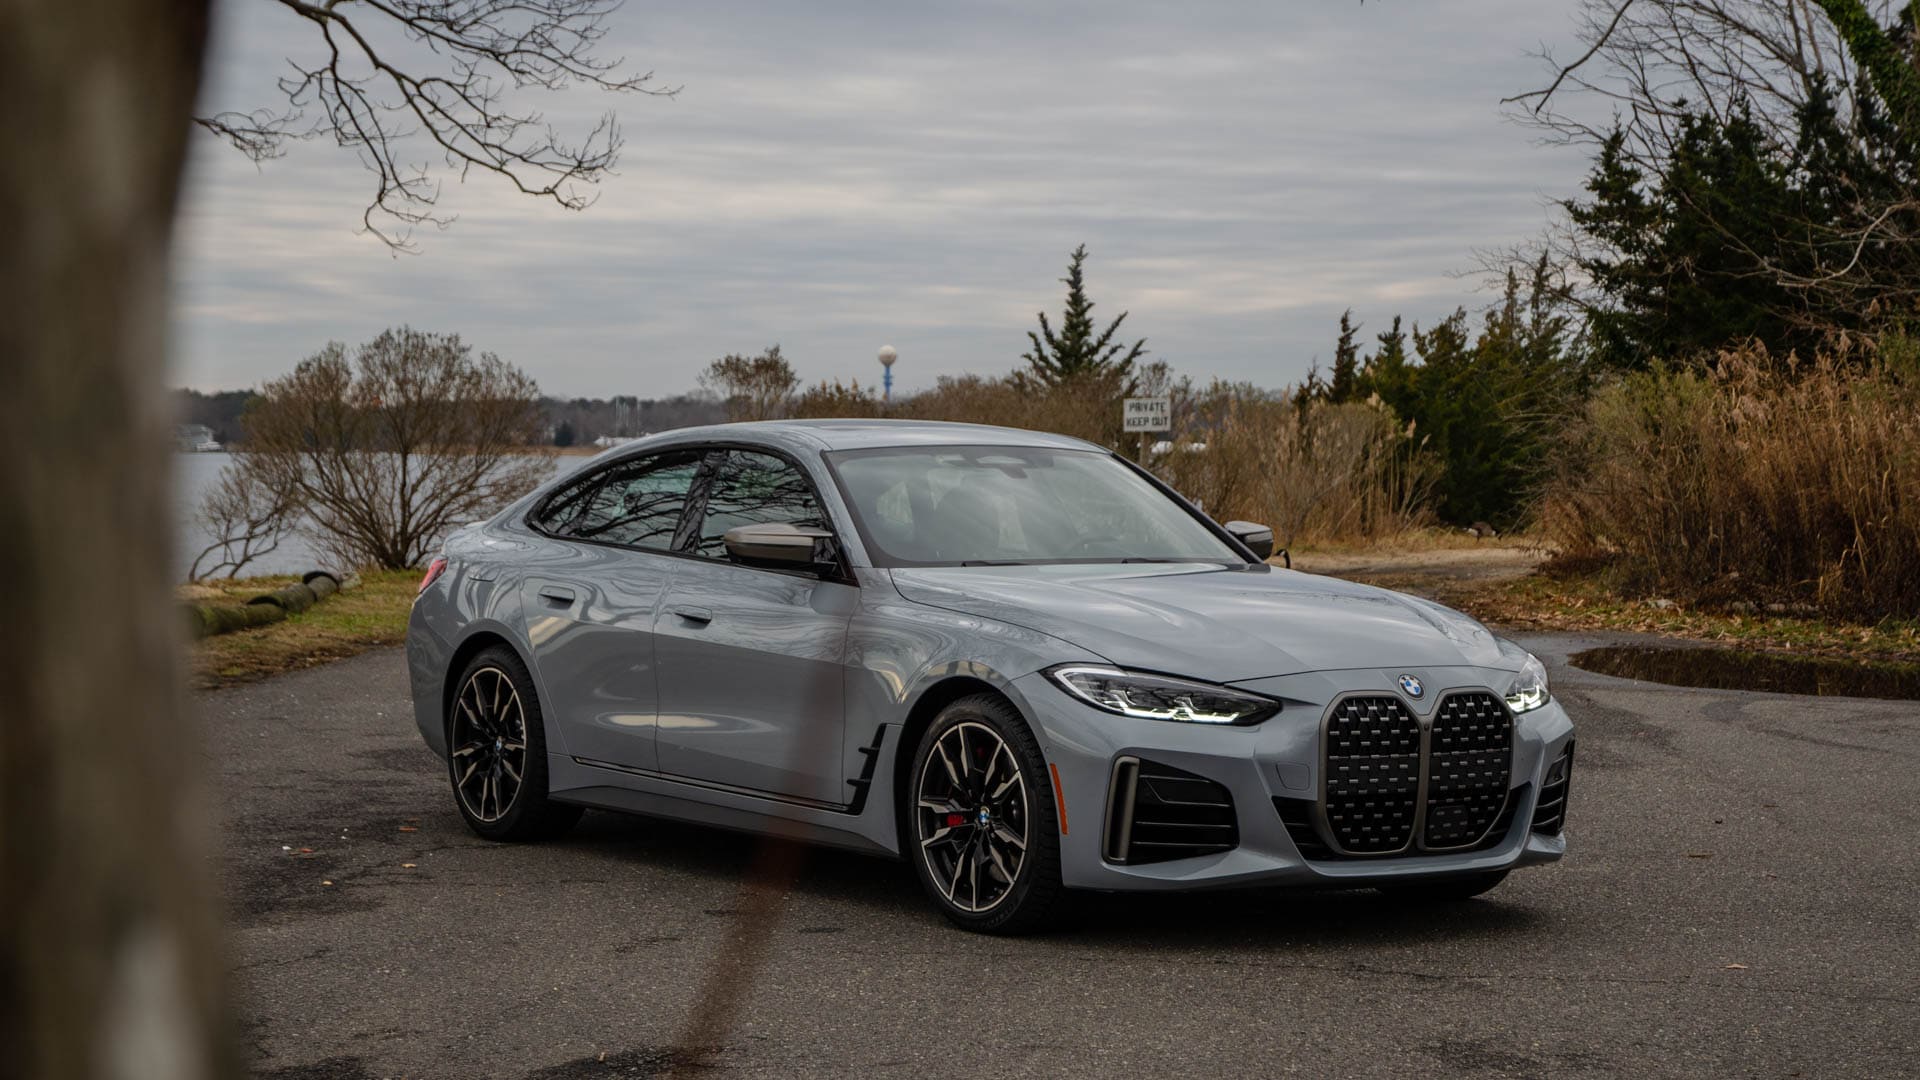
(1737, 669)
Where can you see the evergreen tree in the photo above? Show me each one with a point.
(1887, 60)
(1346, 362)
(1738, 237)
(1485, 405)
(1075, 351)
(1682, 256)
(1385, 372)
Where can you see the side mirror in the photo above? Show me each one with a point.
(780, 546)
(1259, 538)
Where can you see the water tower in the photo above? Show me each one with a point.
(888, 354)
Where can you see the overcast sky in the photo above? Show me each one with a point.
(838, 176)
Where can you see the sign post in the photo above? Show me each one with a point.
(1147, 415)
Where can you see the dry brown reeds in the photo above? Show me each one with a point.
(1755, 482)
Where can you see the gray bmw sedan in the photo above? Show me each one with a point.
(1016, 660)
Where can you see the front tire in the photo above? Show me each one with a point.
(982, 832)
(497, 752)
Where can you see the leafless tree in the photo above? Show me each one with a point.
(753, 387)
(1644, 67)
(247, 520)
(388, 448)
(110, 963)
(383, 72)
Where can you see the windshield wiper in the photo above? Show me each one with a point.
(995, 562)
(1164, 560)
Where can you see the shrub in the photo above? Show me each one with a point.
(836, 400)
(1754, 481)
(1085, 406)
(1315, 471)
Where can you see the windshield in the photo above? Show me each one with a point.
(995, 505)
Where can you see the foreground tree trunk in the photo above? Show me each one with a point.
(109, 963)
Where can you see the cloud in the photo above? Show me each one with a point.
(836, 176)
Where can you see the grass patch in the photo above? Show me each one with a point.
(344, 624)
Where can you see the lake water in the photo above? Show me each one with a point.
(196, 474)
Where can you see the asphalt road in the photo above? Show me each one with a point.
(1742, 898)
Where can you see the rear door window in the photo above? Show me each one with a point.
(634, 503)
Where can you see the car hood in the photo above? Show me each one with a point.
(1209, 622)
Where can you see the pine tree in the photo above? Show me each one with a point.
(1075, 351)
(1346, 362)
(1736, 235)
(1385, 372)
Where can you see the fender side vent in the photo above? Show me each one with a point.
(864, 782)
(1157, 813)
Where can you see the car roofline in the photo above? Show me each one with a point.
(853, 434)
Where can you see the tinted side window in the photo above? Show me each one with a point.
(751, 488)
(555, 516)
(637, 503)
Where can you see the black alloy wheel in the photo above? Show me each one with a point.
(984, 837)
(496, 752)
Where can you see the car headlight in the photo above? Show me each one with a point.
(1159, 697)
(1528, 690)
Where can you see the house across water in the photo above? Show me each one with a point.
(196, 439)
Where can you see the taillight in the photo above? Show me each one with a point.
(434, 569)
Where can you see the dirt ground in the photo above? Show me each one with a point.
(1484, 563)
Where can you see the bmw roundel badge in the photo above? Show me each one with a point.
(1412, 686)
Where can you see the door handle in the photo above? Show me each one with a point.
(695, 614)
(556, 595)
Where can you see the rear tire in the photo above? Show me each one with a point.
(1446, 890)
(980, 826)
(497, 752)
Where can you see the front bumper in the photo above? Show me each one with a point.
(1278, 758)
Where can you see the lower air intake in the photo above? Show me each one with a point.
(1157, 813)
(1297, 816)
(1550, 817)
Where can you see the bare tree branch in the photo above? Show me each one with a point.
(246, 518)
(396, 70)
(1545, 96)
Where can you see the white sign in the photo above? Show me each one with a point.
(1148, 414)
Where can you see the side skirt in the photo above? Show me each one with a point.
(863, 825)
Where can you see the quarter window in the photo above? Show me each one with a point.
(752, 488)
